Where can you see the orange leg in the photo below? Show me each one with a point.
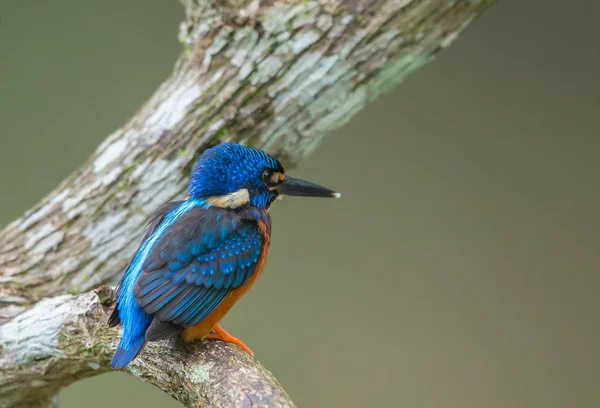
(221, 334)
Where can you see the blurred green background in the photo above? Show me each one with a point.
(461, 267)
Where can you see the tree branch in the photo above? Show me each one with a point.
(278, 75)
(65, 338)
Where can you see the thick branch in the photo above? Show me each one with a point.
(65, 338)
(278, 75)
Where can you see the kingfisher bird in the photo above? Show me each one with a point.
(200, 255)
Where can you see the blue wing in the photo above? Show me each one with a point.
(154, 221)
(201, 258)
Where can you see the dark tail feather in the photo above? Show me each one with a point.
(160, 330)
(123, 357)
(114, 319)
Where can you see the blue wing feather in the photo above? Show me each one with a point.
(192, 257)
(127, 311)
(203, 256)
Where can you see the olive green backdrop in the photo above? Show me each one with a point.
(461, 266)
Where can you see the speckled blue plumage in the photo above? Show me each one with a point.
(184, 280)
(194, 254)
(134, 319)
(229, 167)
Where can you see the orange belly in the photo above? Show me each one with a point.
(202, 329)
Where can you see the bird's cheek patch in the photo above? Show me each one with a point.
(231, 200)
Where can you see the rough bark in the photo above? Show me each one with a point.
(65, 338)
(278, 75)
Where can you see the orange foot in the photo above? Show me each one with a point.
(221, 334)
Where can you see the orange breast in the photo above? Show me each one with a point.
(203, 328)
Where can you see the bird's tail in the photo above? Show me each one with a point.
(127, 352)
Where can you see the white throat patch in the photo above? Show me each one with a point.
(231, 200)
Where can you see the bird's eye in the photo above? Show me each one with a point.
(266, 177)
(272, 178)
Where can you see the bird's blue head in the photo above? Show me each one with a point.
(231, 175)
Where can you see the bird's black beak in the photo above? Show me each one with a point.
(296, 187)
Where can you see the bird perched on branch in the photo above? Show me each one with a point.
(201, 255)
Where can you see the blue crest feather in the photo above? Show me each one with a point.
(229, 167)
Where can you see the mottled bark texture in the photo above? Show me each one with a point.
(278, 75)
(65, 338)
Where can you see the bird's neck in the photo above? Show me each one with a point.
(240, 203)
(259, 215)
